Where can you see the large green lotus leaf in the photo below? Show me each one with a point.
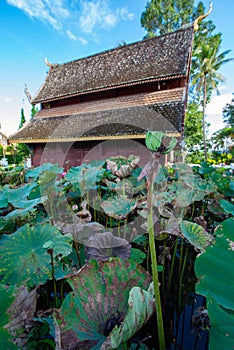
(25, 206)
(3, 199)
(196, 235)
(35, 172)
(227, 206)
(141, 307)
(85, 177)
(19, 193)
(184, 195)
(119, 207)
(157, 141)
(6, 297)
(100, 293)
(223, 183)
(214, 268)
(221, 334)
(23, 257)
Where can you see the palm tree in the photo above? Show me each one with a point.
(207, 77)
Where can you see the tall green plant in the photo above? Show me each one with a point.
(158, 143)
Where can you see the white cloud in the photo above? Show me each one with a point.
(214, 111)
(86, 16)
(71, 35)
(125, 15)
(82, 40)
(98, 14)
(217, 104)
(7, 99)
(52, 12)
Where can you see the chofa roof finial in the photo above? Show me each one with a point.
(27, 93)
(48, 63)
(198, 19)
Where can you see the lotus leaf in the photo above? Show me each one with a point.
(157, 141)
(121, 166)
(214, 267)
(119, 207)
(7, 297)
(196, 235)
(85, 177)
(141, 307)
(214, 270)
(100, 294)
(35, 172)
(22, 312)
(13, 195)
(3, 200)
(104, 245)
(23, 257)
(221, 334)
(227, 206)
(25, 206)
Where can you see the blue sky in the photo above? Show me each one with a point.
(64, 30)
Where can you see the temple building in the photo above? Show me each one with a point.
(104, 104)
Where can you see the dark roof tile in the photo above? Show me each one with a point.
(150, 111)
(148, 60)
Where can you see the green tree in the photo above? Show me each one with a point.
(34, 111)
(163, 16)
(22, 120)
(228, 114)
(193, 126)
(207, 78)
(20, 151)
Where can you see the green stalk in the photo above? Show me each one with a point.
(154, 266)
(182, 274)
(53, 278)
(77, 253)
(172, 264)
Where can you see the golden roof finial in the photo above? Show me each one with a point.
(198, 19)
(48, 63)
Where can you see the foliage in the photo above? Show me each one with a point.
(215, 281)
(44, 246)
(141, 307)
(207, 77)
(193, 126)
(34, 111)
(23, 119)
(100, 310)
(228, 114)
(12, 176)
(161, 17)
(25, 260)
(196, 235)
(6, 296)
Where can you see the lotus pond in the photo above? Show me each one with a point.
(112, 256)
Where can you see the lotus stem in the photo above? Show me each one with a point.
(154, 266)
(172, 264)
(53, 277)
(78, 253)
(182, 274)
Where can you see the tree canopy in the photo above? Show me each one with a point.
(163, 16)
(228, 114)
